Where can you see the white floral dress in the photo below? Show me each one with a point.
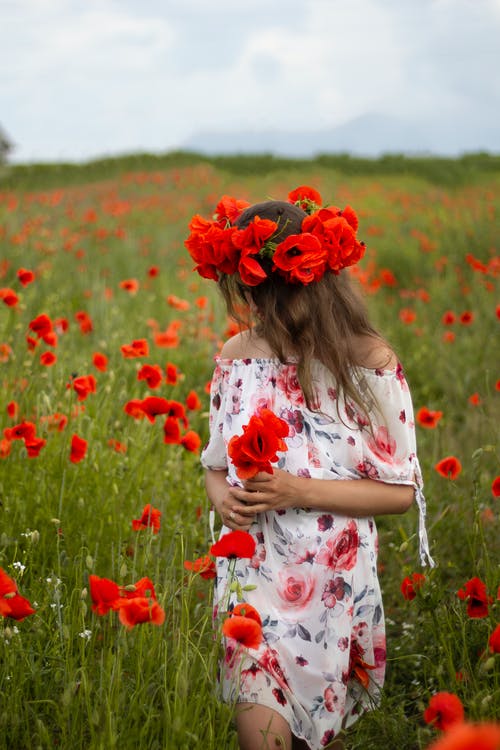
(322, 660)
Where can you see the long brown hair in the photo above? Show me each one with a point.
(318, 321)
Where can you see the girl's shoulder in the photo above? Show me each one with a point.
(374, 353)
(246, 345)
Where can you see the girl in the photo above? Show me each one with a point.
(314, 360)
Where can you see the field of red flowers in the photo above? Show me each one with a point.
(107, 340)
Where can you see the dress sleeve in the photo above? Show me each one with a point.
(213, 455)
(389, 448)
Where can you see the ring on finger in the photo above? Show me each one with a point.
(232, 515)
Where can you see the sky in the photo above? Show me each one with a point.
(86, 79)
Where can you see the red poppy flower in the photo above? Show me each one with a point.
(228, 209)
(104, 593)
(234, 544)
(150, 518)
(5, 447)
(475, 594)
(100, 361)
(22, 431)
(171, 431)
(205, 566)
(78, 449)
(138, 348)
(12, 409)
(152, 406)
(252, 238)
(48, 359)
(152, 374)
(139, 610)
(177, 303)
(246, 610)
(495, 487)
(85, 322)
(427, 418)
(465, 736)
(245, 630)
(83, 386)
(448, 318)
(301, 258)
(153, 271)
(407, 315)
(34, 446)
(172, 373)
(25, 276)
(466, 317)
(337, 233)
(474, 399)
(191, 441)
(250, 270)
(41, 325)
(5, 352)
(193, 401)
(117, 446)
(305, 197)
(12, 604)
(61, 325)
(130, 285)
(494, 641)
(358, 666)
(134, 408)
(56, 421)
(9, 297)
(444, 710)
(257, 447)
(410, 585)
(449, 467)
(211, 247)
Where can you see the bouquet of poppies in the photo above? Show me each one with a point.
(257, 448)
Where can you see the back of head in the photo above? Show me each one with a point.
(288, 276)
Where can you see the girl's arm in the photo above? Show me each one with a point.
(355, 498)
(219, 494)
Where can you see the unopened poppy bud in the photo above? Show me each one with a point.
(89, 562)
(485, 702)
(35, 537)
(130, 587)
(84, 593)
(123, 570)
(55, 521)
(488, 665)
(8, 633)
(9, 595)
(403, 547)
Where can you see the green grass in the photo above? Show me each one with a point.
(71, 679)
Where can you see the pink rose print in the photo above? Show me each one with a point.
(368, 469)
(331, 699)
(343, 644)
(269, 662)
(328, 737)
(333, 592)
(295, 588)
(384, 446)
(289, 384)
(325, 522)
(340, 553)
(259, 556)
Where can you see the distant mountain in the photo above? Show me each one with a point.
(368, 135)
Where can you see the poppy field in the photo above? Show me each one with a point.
(107, 340)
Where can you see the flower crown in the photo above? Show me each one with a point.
(327, 242)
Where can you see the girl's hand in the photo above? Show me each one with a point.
(264, 492)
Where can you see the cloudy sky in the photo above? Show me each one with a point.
(85, 78)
